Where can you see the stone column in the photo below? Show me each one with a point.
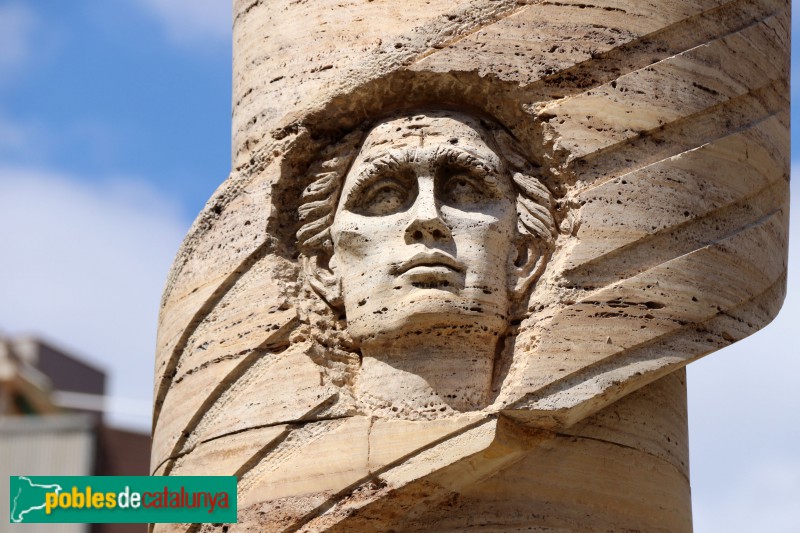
(464, 253)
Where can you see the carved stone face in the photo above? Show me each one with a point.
(425, 228)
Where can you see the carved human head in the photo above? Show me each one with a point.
(437, 216)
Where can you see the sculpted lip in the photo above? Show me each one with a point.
(429, 259)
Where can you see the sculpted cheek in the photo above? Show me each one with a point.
(356, 238)
(351, 243)
(359, 237)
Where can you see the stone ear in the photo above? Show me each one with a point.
(526, 265)
(324, 279)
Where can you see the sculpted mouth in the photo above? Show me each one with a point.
(427, 259)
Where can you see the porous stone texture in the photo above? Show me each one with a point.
(464, 253)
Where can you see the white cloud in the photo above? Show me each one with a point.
(85, 266)
(17, 24)
(743, 421)
(191, 21)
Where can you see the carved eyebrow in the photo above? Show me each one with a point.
(388, 161)
(452, 154)
(397, 159)
(368, 171)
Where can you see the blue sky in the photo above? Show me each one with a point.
(115, 130)
(99, 88)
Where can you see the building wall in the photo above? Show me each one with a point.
(57, 445)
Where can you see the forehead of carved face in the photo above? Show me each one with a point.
(425, 227)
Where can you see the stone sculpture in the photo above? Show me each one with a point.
(463, 255)
(439, 227)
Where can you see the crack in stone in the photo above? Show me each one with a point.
(165, 382)
(662, 44)
(226, 383)
(626, 447)
(600, 367)
(374, 476)
(679, 136)
(468, 33)
(665, 245)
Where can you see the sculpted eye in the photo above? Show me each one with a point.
(464, 188)
(382, 197)
(385, 198)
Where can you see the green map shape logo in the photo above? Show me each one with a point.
(28, 497)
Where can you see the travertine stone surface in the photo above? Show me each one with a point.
(465, 250)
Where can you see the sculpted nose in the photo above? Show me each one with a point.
(433, 229)
(426, 223)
